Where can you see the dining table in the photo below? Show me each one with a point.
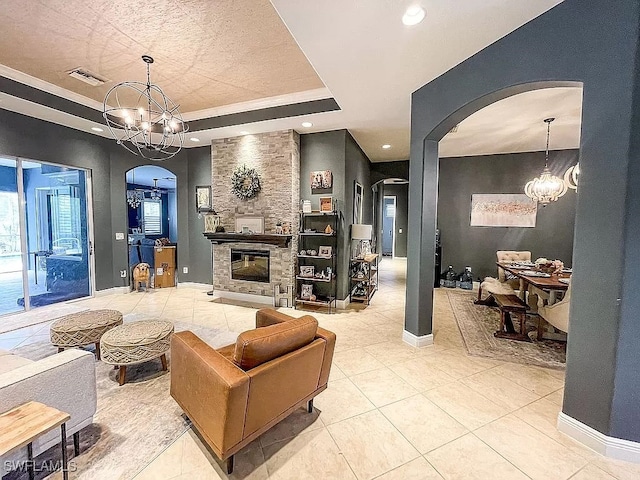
(532, 281)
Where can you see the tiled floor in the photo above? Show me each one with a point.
(391, 411)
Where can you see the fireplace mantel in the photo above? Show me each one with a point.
(272, 239)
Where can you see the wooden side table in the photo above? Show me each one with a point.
(23, 424)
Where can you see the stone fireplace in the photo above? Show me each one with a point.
(276, 157)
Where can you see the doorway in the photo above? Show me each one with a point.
(45, 234)
(389, 226)
(152, 212)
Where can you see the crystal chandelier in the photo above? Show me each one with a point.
(155, 193)
(571, 176)
(143, 119)
(135, 196)
(547, 187)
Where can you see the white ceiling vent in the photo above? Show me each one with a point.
(87, 76)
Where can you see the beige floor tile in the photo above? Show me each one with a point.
(166, 465)
(556, 397)
(468, 458)
(298, 422)
(500, 389)
(353, 362)
(390, 353)
(524, 446)
(421, 375)
(341, 400)
(617, 468)
(418, 469)
(465, 405)
(424, 424)
(197, 461)
(301, 457)
(541, 381)
(591, 472)
(455, 364)
(383, 386)
(335, 373)
(543, 415)
(371, 444)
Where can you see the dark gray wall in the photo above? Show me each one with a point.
(401, 192)
(200, 268)
(577, 42)
(476, 247)
(337, 151)
(30, 138)
(357, 169)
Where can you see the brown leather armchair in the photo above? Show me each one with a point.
(235, 393)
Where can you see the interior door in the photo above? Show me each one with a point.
(388, 225)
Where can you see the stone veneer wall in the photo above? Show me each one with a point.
(276, 157)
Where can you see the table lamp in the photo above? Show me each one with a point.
(361, 233)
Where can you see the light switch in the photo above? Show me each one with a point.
(399, 230)
(119, 236)
(185, 269)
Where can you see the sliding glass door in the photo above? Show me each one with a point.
(54, 254)
(11, 261)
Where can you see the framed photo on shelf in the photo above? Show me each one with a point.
(324, 251)
(249, 224)
(307, 271)
(306, 290)
(326, 204)
(203, 198)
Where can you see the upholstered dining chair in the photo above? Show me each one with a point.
(511, 256)
(556, 315)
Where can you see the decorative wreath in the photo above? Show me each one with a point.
(245, 182)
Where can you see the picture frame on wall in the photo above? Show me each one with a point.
(203, 198)
(358, 193)
(326, 204)
(503, 210)
(321, 180)
(249, 224)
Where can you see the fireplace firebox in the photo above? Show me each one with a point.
(250, 265)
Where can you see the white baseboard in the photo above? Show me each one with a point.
(245, 297)
(603, 444)
(208, 286)
(342, 304)
(111, 291)
(415, 341)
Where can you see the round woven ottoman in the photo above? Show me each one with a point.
(83, 328)
(136, 342)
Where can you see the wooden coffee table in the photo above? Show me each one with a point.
(22, 425)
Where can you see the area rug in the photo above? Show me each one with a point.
(134, 422)
(477, 323)
(39, 315)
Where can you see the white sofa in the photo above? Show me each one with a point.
(66, 381)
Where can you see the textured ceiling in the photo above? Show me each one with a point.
(207, 53)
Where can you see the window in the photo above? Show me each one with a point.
(152, 217)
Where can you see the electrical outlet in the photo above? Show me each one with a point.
(123, 274)
(399, 230)
(119, 236)
(185, 269)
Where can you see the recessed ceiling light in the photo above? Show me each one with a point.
(194, 139)
(386, 146)
(307, 124)
(97, 129)
(414, 15)
(244, 132)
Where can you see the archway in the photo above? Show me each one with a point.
(561, 44)
(152, 213)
